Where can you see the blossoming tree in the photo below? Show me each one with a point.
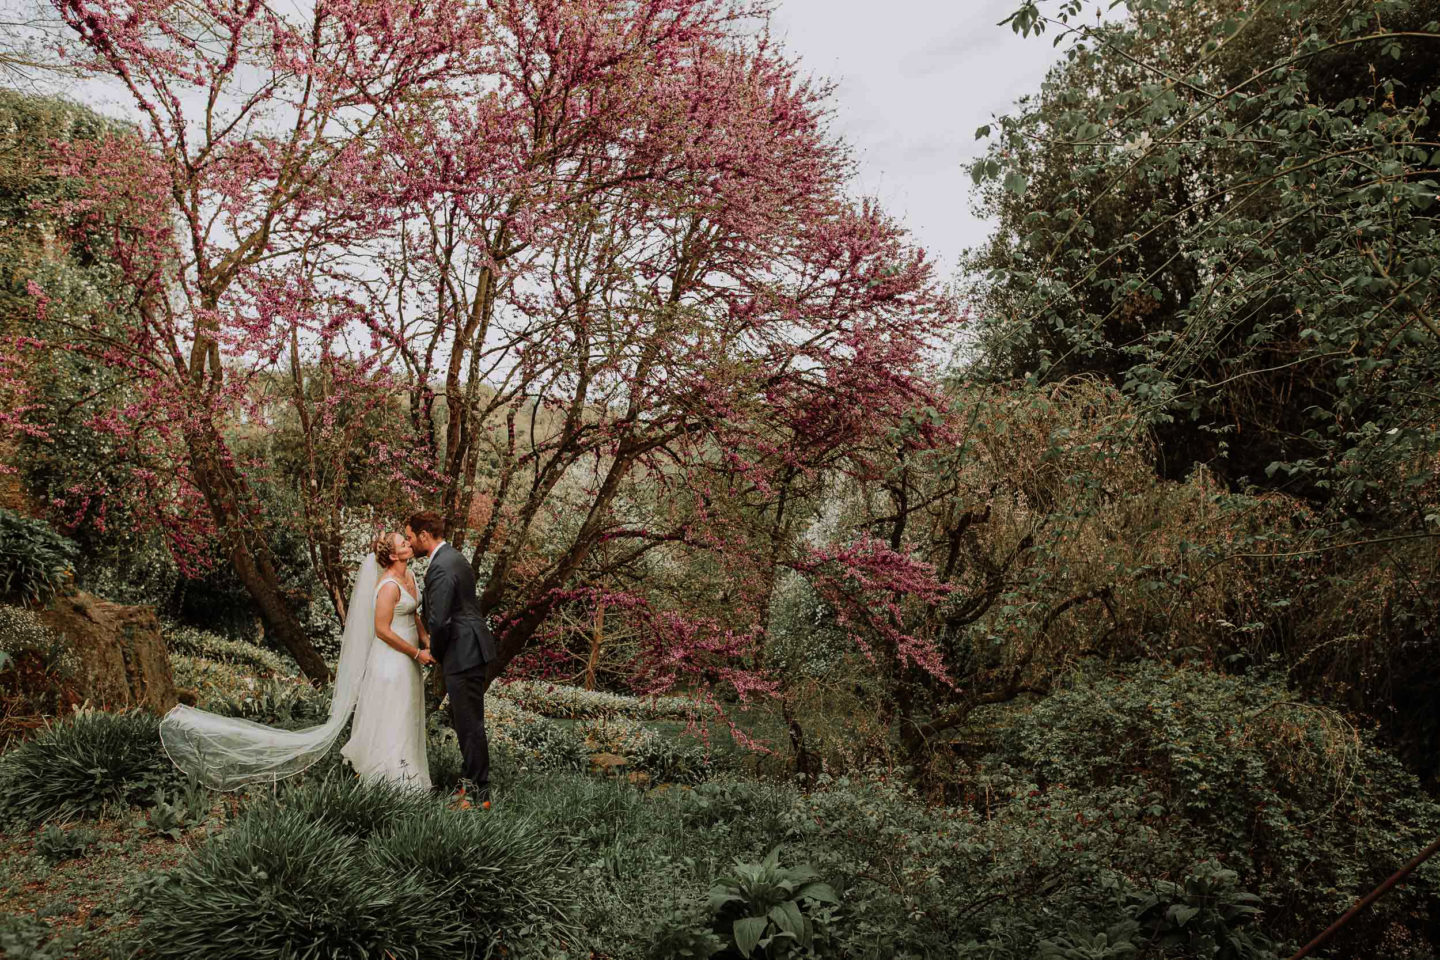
(593, 245)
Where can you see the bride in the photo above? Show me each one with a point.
(378, 679)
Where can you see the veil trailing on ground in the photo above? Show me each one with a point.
(229, 752)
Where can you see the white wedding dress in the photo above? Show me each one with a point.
(387, 736)
(376, 683)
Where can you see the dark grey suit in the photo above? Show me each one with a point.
(463, 644)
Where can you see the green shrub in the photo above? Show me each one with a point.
(501, 878)
(669, 762)
(195, 642)
(1306, 810)
(55, 845)
(336, 867)
(535, 743)
(1205, 916)
(350, 806)
(171, 814)
(79, 766)
(275, 703)
(681, 936)
(35, 561)
(640, 862)
(278, 883)
(761, 810)
(766, 910)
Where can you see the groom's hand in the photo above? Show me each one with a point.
(426, 657)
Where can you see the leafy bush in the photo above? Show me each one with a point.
(761, 810)
(172, 814)
(37, 664)
(502, 879)
(339, 867)
(221, 649)
(281, 884)
(669, 762)
(55, 845)
(531, 742)
(347, 805)
(1232, 769)
(78, 766)
(35, 561)
(683, 937)
(1206, 916)
(766, 910)
(275, 703)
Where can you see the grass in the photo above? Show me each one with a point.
(83, 862)
(82, 898)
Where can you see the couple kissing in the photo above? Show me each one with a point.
(393, 628)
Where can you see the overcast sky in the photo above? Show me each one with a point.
(916, 77)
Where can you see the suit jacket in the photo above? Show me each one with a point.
(458, 635)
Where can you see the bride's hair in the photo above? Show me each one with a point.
(384, 548)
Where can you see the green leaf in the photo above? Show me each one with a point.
(1015, 182)
(748, 931)
(820, 893)
(1181, 914)
(787, 917)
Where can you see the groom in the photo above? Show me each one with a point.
(460, 641)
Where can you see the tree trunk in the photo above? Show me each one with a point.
(257, 573)
(807, 764)
(597, 640)
(231, 503)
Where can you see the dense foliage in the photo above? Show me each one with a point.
(1119, 638)
(35, 561)
(334, 868)
(80, 766)
(1227, 211)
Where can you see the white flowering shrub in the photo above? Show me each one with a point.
(194, 642)
(21, 631)
(573, 703)
(36, 666)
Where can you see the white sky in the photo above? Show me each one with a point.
(915, 78)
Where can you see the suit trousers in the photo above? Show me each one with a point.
(467, 712)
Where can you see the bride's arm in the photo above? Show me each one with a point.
(384, 618)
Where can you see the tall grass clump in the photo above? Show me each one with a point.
(35, 561)
(337, 868)
(280, 883)
(78, 766)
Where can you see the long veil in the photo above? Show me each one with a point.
(230, 752)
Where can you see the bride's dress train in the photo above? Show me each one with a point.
(377, 683)
(387, 736)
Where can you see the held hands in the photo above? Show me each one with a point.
(424, 657)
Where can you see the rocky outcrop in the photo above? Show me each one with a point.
(120, 658)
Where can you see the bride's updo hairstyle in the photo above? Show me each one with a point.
(384, 548)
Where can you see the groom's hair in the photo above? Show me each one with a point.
(427, 521)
